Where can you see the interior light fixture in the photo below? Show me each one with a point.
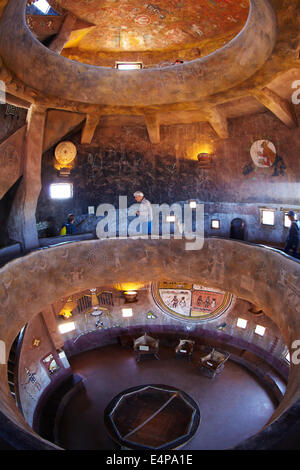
(130, 295)
(204, 159)
(129, 65)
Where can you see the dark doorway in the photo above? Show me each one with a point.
(237, 229)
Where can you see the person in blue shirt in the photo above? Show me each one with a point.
(69, 228)
(292, 241)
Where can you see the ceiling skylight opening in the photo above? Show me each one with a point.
(42, 5)
(129, 65)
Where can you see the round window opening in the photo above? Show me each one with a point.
(190, 302)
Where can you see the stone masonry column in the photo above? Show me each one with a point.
(22, 221)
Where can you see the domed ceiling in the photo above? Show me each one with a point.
(164, 28)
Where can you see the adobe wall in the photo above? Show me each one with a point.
(121, 160)
(249, 272)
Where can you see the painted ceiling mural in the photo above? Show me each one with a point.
(191, 302)
(131, 25)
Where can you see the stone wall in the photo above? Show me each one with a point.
(87, 335)
(121, 160)
(34, 377)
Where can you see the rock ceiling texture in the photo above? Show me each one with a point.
(182, 26)
(238, 57)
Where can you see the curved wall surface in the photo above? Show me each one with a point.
(262, 276)
(236, 61)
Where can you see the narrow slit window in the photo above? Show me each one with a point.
(129, 65)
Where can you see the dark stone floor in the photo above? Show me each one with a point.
(233, 406)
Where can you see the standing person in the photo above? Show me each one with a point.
(145, 212)
(69, 228)
(292, 240)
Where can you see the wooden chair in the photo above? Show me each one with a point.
(184, 349)
(212, 362)
(146, 346)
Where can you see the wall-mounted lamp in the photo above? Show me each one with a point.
(130, 296)
(205, 160)
(66, 311)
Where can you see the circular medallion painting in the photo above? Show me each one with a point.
(263, 153)
(191, 302)
(65, 152)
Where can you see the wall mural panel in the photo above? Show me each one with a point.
(191, 302)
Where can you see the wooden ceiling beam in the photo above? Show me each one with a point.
(280, 107)
(88, 131)
(153, 128)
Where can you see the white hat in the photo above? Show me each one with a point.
(138, 193)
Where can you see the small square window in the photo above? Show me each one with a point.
(260, 330)
(170, 218)
(215, 224)
(267, 217)
(287, 222)
(193, 204)
(61, 190)
(66, 327)
(241, 323)
(127, 312)
(42, 5)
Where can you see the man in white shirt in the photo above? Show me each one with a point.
(145, 212)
